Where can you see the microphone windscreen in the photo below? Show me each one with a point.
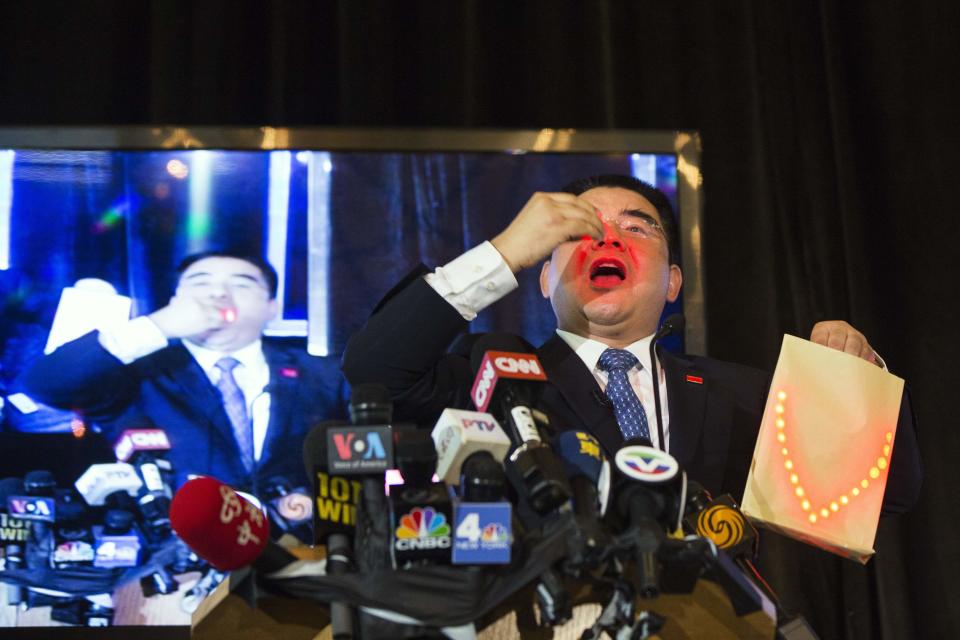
(370, 404)
(676, 323)
(221, 527)
(580, 454)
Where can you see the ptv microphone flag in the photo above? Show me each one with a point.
(458, 434)
(823, 453)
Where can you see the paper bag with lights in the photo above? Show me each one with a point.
(823, 453)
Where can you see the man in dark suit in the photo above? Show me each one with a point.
(234, 405)
(612, 249)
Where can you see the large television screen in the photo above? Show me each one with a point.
(93, 222)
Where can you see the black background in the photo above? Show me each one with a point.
(830, 139)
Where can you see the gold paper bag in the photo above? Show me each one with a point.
(823, 453)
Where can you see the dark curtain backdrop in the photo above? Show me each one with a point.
(829, 132)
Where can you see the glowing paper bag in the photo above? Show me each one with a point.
(823, 453)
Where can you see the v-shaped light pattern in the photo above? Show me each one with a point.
(837, 502)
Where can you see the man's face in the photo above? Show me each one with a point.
(239, 291)
(614, 289)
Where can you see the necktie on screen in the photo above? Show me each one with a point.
(626, 405)
(236, 407)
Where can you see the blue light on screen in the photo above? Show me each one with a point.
(6, 205)
(643, 166)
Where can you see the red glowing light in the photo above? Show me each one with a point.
(841, 500)
(78, 428)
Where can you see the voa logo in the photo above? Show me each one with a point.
(366, 448)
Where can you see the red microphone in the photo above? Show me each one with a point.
(220, 526)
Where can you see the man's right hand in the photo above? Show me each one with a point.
(186, 316)
(547, 220)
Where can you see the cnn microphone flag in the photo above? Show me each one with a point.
(823, 453)
(503, 364)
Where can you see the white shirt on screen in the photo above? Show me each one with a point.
(140, 337)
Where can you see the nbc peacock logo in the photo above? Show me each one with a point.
(494, 533)
(423, 528)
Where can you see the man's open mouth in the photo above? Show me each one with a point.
(607, 271)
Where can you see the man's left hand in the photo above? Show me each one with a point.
(839, 335)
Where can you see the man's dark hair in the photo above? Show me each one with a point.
(656, 197)
(266, 269)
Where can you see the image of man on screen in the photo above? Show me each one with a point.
(233, 404)
(609, 250)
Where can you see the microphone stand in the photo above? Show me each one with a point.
(338, 564)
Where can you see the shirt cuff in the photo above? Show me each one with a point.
(474, 281)
(138, 338)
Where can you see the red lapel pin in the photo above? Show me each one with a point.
(289, 372)
(695, 379)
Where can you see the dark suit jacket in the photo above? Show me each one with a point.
(713, 425)
(170, 391)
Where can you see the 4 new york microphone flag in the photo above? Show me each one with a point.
(823, 454)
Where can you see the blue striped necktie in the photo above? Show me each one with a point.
(626, 405)
(236, 407)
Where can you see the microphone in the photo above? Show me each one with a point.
(72, 537)
(116, 542)
(14, 534)
(370, 404)
(420, 509)
(224, 528)
(111, 484)
(37, 504)
(721, 521)
(672, 326)
(461, 435)
(371, 413)
(483, 519)
(34, 501)
(335, 501)
(508, 380)
(142, 448)
(335, 497)
(644, 497)
(470, 450)
(582, 460)
(506, 383)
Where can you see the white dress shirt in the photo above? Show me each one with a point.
(481, 276)
(140, 337)
(641, 378)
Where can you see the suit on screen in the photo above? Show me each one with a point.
(169, 390)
